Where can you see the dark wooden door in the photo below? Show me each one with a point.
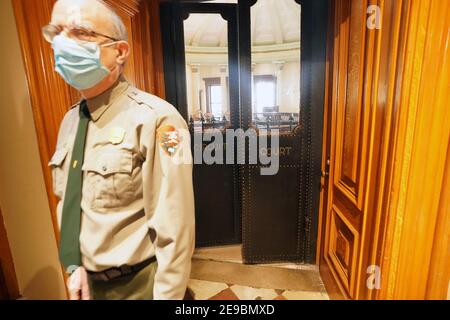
(212, 76)
(280, 211)
(275, 89)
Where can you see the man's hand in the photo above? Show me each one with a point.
(78, 285)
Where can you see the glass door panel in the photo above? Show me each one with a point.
(207, 86)
(205, 74)
(275, 70)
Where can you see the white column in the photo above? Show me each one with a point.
(252, 88)
(223, 85)
(279, 74)
(195, 89)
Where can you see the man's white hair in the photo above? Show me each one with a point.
(120, 32)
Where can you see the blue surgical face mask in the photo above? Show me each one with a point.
(78, 63)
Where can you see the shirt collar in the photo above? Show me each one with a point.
(98, 105)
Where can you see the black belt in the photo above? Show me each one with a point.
(118, 272)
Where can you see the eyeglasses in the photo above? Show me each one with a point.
(77, 33)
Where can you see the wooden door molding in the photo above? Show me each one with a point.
(364, 66)
(440, 259)
(51, 96)
(400, 223)
(414, 256)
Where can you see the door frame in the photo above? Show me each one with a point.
(383, 66)
(173, 15)
(414, 261)
(174, 58)
(313, 62)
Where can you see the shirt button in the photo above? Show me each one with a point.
(104, 168)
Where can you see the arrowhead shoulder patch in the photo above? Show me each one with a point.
(169, 139)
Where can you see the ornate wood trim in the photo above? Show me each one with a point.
(377, 86)
(406, 212)
(413, 237)
(440, 260)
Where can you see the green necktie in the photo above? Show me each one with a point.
(69, 249)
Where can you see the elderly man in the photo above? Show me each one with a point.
(126, 209)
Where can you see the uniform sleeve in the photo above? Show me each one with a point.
(169, 205)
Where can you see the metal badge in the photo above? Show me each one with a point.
(116, 135)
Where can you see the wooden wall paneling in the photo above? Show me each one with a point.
(392, 51)
(156, 50)
(439, 274)
(51, 96)
(390, 48)
(421, 142)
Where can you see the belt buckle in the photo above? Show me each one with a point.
(113, 273)
(101, 276)
(126, 270)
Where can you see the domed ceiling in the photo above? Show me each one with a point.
(274, 23)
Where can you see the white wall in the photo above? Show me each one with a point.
(23, 197)
(288, 84)
(204, 71)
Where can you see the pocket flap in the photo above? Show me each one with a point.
(58, 157)
(106, 163)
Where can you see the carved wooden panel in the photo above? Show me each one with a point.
(51, 97)
(399, 220)
(350, 142)
(364, 74)
(344, 240)
(350, 120)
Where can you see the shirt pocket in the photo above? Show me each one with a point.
(108, 179)
(59, 176)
